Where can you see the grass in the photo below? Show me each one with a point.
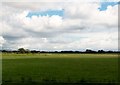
(66, 68)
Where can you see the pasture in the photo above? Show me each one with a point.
(64, 68)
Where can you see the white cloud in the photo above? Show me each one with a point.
(2, 41)
(98, 41)
(42, 23)
(98, 29)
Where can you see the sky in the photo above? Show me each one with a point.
(59, 25)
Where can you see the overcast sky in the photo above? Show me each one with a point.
(59, 25)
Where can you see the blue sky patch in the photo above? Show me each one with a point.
(46, 13)
(104, 5)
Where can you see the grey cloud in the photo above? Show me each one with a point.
(79, 34)
(33, 5)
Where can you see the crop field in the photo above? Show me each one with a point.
(65, 68)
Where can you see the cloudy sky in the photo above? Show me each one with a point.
(59, 25)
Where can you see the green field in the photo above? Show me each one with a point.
(67, 68)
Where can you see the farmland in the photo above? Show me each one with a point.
(65, 68)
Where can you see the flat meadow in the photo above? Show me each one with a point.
(62, 68)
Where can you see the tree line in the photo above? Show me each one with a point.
(22, 50)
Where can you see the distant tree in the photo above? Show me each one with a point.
(109, 51)
(27, 51)
(21, 50)
(4, 50)
(90, 51)
(101, 51)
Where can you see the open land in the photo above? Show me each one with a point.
(64, 68)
